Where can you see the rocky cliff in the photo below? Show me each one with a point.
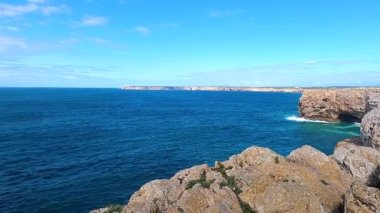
(260, 180)
(338, 104)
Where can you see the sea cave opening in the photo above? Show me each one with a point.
(348, 118)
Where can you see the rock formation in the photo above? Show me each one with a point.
(370, 129)
(361, 162)
(333, 105)
(362, 198)
(373, 100)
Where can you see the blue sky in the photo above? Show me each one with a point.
(110, 43)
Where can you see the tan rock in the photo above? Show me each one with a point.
(272, 183)
(362, 162)
(326, 165)
(257, 180)
(334, 104)
(370, 129)
(173, 195)
(362, 199)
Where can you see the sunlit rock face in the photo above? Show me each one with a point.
(257, 180)
(334, 105)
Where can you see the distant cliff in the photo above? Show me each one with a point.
(194, 88)
(260, 180)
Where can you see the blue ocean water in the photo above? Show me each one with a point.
(73, 150)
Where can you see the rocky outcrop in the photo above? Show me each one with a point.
(370, 129)
(333, 105)
(257, 180)
(361, 162)
(373, 100)
(362, 198)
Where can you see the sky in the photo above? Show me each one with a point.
(111, 43)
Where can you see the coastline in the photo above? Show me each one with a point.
(244, 182)
(242, 89)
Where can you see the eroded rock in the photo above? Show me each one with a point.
(258, 180)
(362, 198)
(370, 129)
(334, 104)
(361, 162)
(373, 100)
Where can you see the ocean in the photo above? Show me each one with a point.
(74, 150)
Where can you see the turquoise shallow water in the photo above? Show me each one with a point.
(73, 150)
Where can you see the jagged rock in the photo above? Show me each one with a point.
(361, 161)
(173, 195)
(326, 165)
(258, 180)
(362, 198)
(373, 100)
(370, 129)
(272, 183)
(334, 104)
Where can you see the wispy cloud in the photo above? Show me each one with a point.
(306, 73)
(142, 30)
(31, 6)
(93, 21)
(8, 42)
(10, 28)
(48, 10)
(223, 13)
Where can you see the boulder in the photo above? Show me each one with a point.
(326, 165)
(257, 180)
(362, 198)
(361, 162)
(373, 100)
(179, 195)
(370, 129)
(334, 104)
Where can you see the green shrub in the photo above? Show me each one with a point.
(202, 181)
(276, 160)
(114, 208)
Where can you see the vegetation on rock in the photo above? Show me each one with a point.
(202, 181)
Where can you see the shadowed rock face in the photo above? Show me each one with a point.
(361, 162)
(370, 129)
(362, 198)
(373, 100)
(333, 105)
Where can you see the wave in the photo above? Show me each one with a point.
(300, 119)
(353, 125)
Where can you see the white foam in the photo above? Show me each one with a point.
(300, 119)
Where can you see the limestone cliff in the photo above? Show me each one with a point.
(332, 105)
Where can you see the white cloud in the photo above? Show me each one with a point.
(10, 28)
(48, 10)
(91, 21)
(31, 6)
(142, 30)
(37, 1)
(17, 10)
(311, 62)
(8, 42)
(222, 13)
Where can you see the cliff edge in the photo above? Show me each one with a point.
(348, 105)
